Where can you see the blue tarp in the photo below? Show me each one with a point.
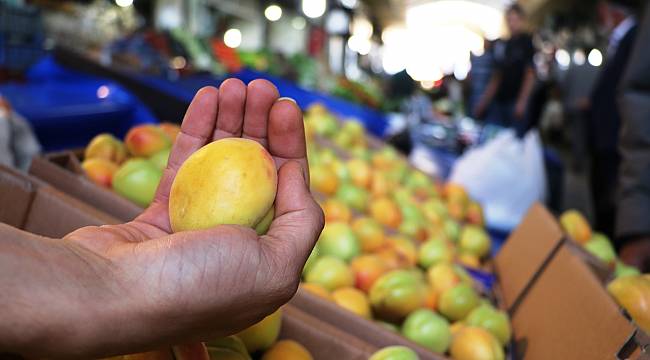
(184, 89)
(66, 109)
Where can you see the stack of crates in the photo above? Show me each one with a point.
(21, 36)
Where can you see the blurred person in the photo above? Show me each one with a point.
(633, 217)
(18, 144)
(577, 84)
(480, 74)
(604, 118)
(510, 86)
(116, 289)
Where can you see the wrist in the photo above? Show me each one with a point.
(54, 293)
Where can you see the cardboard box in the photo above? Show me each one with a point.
(63, 172)
(526, 252)
(567, 314)
(34, 206)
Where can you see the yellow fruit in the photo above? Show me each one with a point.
(100, 171)
(353, 300)
(106, 146)
(323, 179)
(386, 212)
(318, 290)
(287, 350)
(336, 210)
(576, 226)
(633, 294)
(229, 181)
(473, 343)
(369, 232)
(263, 334)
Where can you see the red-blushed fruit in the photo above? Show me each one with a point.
(106, 146)
(336, 210)
(191, 351)
(170, 129)
(473, 343)
(474, 214)
(405, 249)
(444, 276)
(146, 140)
(367, 269)
(287, 350)
(263, 334)
(431, 301)
(100, 171)
(396, 294)
(369, 232)
(386, 212)
(415, 229)
(353, 300)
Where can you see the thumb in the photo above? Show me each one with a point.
(299, 220)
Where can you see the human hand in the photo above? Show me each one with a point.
(637, 253)
(161, 288)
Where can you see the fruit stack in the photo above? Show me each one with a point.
(261, 338)
(395, 243)
(132, 168)
(630, 288)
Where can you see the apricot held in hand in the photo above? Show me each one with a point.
(229, 181)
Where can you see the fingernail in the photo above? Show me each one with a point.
(288, 98)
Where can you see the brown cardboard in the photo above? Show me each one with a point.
(34, 206)
(323, 340)
(525, 253)
(54, 214)
(57, 170)
(361, 328)
(600, 269)
(567, 314)
(16, 193)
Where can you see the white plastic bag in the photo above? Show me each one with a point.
(505, 175)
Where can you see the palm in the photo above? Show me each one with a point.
(195, 267)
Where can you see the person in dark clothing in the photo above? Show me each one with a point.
(604, 116)
(633, 215)
(511, 84)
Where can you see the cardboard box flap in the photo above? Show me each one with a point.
(54, 214)
(78, 186)
(16, 193)
(567, 314)
(363, 329)
(323, 340)
(525, 253)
